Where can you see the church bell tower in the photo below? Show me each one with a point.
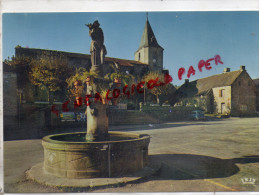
(149, 51)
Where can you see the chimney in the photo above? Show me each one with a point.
(242, 68)
(186, 81)
(226, 70)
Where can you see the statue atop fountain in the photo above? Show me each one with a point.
(97, 48)
(97, 119)
(96, 153)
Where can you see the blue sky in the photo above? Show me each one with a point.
(186, 37)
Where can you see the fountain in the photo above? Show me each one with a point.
(96, 153)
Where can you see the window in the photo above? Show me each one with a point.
(222, 93)
(249, 83)
(239, 83)
(223, 108)
(243, 107)
(138, 56)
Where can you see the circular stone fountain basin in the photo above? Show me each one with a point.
(69, 155)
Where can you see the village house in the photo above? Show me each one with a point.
(227, 93)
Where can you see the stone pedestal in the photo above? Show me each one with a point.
(97, 122)
(97, 69)
(96, 113)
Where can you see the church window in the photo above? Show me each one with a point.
(139, 56)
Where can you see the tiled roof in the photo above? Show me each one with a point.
(121, 62)
(204, 85)
(220, 80)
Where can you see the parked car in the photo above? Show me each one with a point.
(197, 115)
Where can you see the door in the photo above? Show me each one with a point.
(223, 108)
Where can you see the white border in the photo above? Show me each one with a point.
(126, 5)
(1, 113)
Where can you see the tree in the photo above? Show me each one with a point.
(117, 75)
(20, 64)
(75, 82)
(155, 83)
(20, 61)
(50, 71)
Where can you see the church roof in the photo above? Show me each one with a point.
(33, 52)
(148, 38)
(204, 85)
(123, 62)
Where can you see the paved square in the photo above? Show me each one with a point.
(218, 155)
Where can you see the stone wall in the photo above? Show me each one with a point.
(169, 113)
(124, 117)
(156, 53)
(27, 125)
(142, 55)
(243, 96)
(10, 94)
(147, 55)
(74, 59)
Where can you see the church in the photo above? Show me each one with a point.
(148, 56)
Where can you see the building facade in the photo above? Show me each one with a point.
(150, 57)
(228, 93)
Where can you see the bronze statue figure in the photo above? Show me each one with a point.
(97, 49)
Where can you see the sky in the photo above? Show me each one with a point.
(187, 37)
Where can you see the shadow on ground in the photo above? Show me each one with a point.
(189, 166)
(186, 167)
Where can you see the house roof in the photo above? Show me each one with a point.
(204, 85)
(35, 51)
(148, 38)
(220, 80)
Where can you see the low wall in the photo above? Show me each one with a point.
(130, 117)
(167, 114)
(38, 120)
